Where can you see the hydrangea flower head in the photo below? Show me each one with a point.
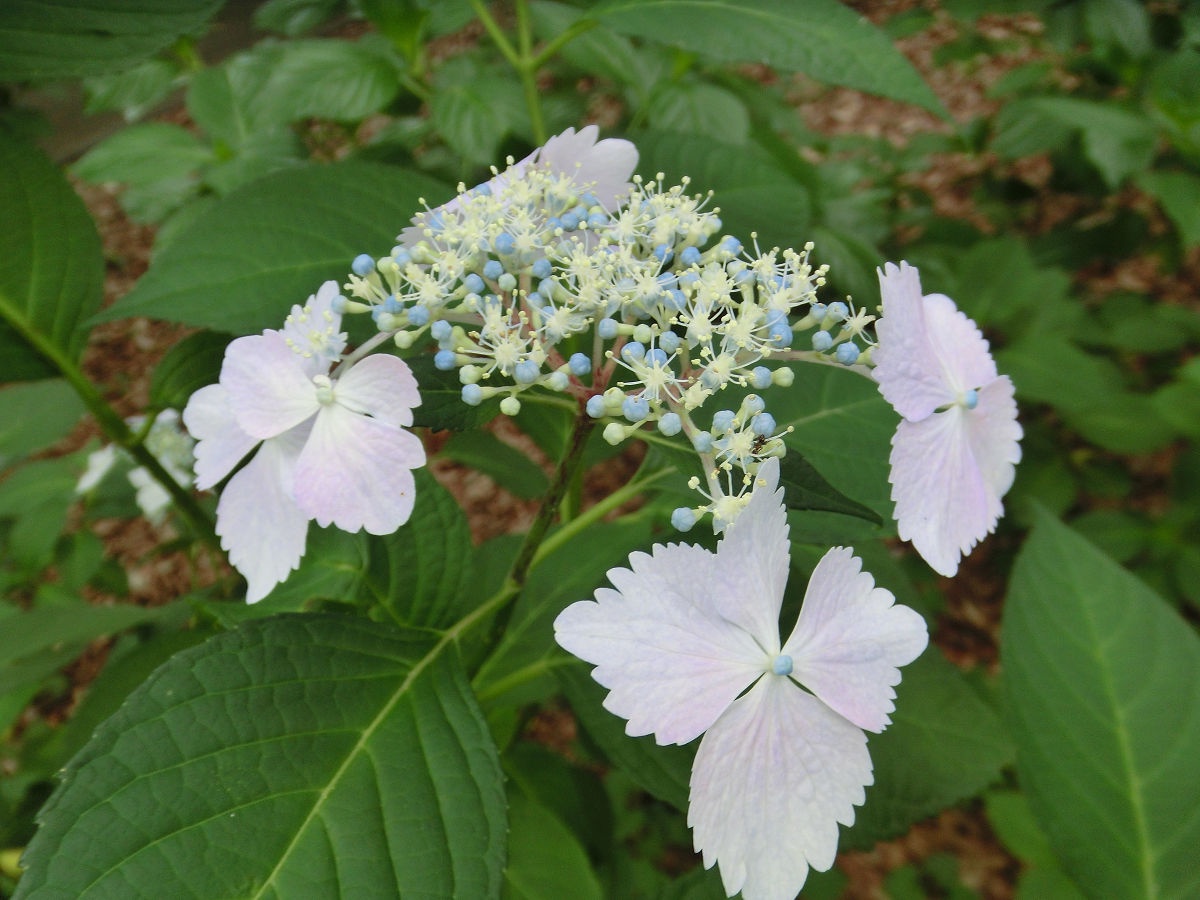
(954, 453)
(687, 642)
(333, 448)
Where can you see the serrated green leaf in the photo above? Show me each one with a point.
(597, 51)
(1101, 679)
(696, 108)
(144, 154)
(545, 862)
(506, 465)
(423, 573)
(241, 264)
(474, 109)
(293, 17)
(296, 756)
(35, 414)
(946, 742)
(51, 267)
(820, 38)
(188, 366)
(665, 772)
(131, 92)
(44, 39)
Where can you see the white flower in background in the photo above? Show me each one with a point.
(954, 452)
(601, 167)
(169, 444)
(687, 642)
(333, 448)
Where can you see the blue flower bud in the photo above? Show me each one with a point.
(818, 311)
(542, 268)
(753, 404)
(683, 519)
(763, 424)
(472, 394)
(440, 330)
(393, 305)
(557, 381)
(782, 665)
(504, 243)
(837, 311)
(847, 354)
(633, 352)
(971, 398)
(656, 357)
(780, 335)
(444, 360)
(760, 378)
(418, 316)
(822, 341)
(669, 341)
(595, 406)
(492, 269)
(607, 328)
(635, 408)
(597, 220)
(507, 281)
(689, 256)
(730, 244)
(722, 419)
(579, 364)
(525, 372)
(670, 424)
(473, 283)
(662, 253)
(363, 265)
(401, 256)
(703, 442)
(569, 220)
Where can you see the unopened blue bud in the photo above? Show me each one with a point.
(818, 311)
(440, 330)
(703, 442)
(822, 341)
(670, 424)
(675, 300)
(753, 404)
(595, 406)
(363, 265)
(597, 220)
(847, 354)
(444, 360)
(579, 363)
(541, 268)
(760, 378)
(731, 245)
(504, 243)
(662, 253)
(506, 282)
(492, 269)
(607, 328)
(683, 519)
(401, 256)
(473, 283)
(722, 419)
(782, 665)
(535, 300)
(472, 394)
(338, 305)
(633, 352)
(418, 316)
(837, 311)
(393, 305)
(971, 398)
(554, 223)
(669, 341)
(525, 372)
(689, 256)
(635, 408)
(780, 335)
(656, 357)
(763, 424)
(688, 278)
(569, 220)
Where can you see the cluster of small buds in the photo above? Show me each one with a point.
(642, 312)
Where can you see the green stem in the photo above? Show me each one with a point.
(497, 36)
(528, 72)
(553, 46)
(110, 422)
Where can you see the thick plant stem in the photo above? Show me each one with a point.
(112, 424)
(521, 58)
(567, 469)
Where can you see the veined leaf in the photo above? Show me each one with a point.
(241, 264)
(298, 756)
(1101, 679)
(51, 267)
(821, 38)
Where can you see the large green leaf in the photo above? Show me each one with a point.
(299, 756)
(35, 414)
(946, 742)
(51, 268)
(821, 38)
(41, 39)
(241, 265)
(546, 862)
(1102, 682)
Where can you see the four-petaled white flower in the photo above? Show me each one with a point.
(333, 448)
(954, 452)
(603, 167)
(687, 643)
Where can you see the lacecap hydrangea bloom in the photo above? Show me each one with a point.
(331, 437)
(954, 452)
(687, 643)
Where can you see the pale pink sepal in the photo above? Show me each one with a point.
(606, 164)
(670, 664)
(355, 472)
(220, 442)
(850, 640)
(257, 518)
(771, 781)
(382, 386)
(270, 389)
